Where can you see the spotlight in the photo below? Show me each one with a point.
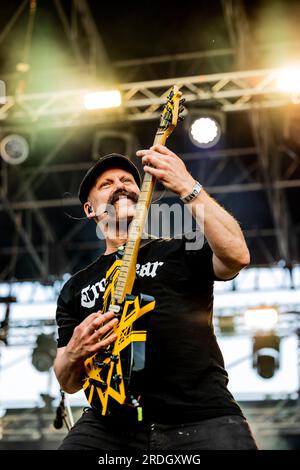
(261, 318)
(227, 324)
(205, 127)
(14, 149)
(22, 67)
(289, 80)
(44, 353)
(266, 354)
(102, 99)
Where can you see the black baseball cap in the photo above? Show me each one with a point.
(112, 160)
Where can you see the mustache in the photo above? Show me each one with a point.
(122, 192)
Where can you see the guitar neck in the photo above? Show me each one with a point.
(127, 271)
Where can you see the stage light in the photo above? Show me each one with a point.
(266, 354)
(205, 132)
(44, 353)
(289, 80)
(22, 67)
(226, 324)
(261, 318)
(14, 149)
(102, 99)
(205, 126)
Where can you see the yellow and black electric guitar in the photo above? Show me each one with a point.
(108, 372)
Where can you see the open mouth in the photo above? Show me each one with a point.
(122, 197)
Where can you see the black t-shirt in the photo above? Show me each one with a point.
(184, 377)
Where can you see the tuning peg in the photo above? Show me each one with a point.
(180, 118)
(182, 101)
(182, 108)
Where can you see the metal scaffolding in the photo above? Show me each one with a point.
(231, 91)
(251, 93)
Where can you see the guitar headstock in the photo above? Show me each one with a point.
(171, 113)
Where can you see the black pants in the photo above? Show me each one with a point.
(92, 432)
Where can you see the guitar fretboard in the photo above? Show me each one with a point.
(127, 271)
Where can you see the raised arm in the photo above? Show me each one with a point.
(222, 231)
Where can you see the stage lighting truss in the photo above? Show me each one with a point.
(230, 91)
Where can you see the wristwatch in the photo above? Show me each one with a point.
(195, 191)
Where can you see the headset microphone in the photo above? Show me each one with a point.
(90, 210)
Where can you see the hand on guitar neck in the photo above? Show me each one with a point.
(167, 168)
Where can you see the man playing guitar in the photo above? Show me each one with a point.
(177, 395)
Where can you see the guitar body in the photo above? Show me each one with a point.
(108, 372)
